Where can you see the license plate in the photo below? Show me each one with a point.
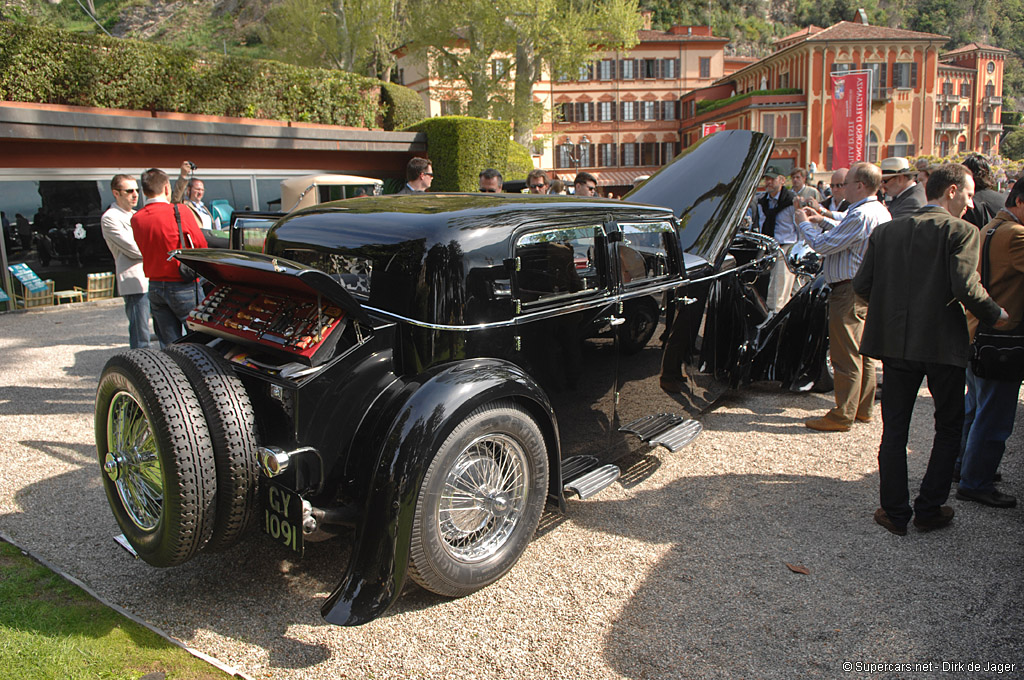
(282, 515)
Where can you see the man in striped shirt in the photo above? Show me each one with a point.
(843, 247)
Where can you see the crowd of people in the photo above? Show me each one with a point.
(900, 247)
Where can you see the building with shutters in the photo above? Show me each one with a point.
(628, 113)
(923, 101)
(619, 119)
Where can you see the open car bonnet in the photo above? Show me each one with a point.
(268, 272)
(708, 187)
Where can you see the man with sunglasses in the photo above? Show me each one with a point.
(899, 181)
(537, 182)
(585, 184)
(491, 181)
(836, 204)
(132, 283)
(419, 173)
(843, 247)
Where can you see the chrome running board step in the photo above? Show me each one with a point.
(585, 477)
(671, 431)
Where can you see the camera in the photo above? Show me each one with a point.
(191, 165)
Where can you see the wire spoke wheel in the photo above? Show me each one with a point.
(132, 462)
(153, 446)
(483, 498)
(480, 501)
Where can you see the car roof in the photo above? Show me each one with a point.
(467, 218)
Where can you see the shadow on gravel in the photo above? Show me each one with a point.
(723, 598)
(35, 401)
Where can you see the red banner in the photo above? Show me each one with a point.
(851, 100)
(711, 128)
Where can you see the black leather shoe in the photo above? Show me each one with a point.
(939, 521)
(996, 499)
(883, 519)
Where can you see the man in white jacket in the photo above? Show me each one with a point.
(132, 283)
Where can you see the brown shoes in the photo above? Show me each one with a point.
(940, 521)
(883, 519)
(865, 419)
(826, 424)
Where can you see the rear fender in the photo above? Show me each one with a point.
(426, 413)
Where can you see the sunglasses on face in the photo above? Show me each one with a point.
(537, 186)
(129, 191)
(488, 191)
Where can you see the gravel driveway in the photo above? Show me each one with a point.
(680, 571)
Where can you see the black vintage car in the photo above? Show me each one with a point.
(423, 374)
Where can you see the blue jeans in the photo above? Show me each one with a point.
(136, 308)
(989, 411)
(171, 301)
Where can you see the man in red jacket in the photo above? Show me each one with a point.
(171, 297)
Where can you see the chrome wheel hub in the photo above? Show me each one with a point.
(132, 463)
(483, 498)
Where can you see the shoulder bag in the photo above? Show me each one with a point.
(188, 274)
(996, 355)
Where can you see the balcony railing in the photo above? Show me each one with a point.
(949, 126)
(992, 101)
(947, 97)
(991, 127)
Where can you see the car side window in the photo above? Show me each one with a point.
(644, 252)
(562, 262)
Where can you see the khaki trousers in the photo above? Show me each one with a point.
(854, 373)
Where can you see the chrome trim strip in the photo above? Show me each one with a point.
(551, 313)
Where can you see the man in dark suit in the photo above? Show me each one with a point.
(992, 403)
(899, 180)
(918, 274)
(419, 173)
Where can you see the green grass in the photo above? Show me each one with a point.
(50, 628)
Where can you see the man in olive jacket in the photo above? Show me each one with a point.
(991, 405)
(918, 274)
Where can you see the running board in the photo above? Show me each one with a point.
(586, 477)
(671, 431)
(593, 482)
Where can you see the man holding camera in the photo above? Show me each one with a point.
(843, 247)
(159, 228)
(189, 191)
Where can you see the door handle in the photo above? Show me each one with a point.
(616, 320)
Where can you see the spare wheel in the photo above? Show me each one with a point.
(232, 424)
(154, 450)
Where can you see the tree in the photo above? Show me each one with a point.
(1012, 145)
(483, 46)
(351, 35)
(459, 42)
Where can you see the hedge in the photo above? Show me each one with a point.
(48, 66)
(711, 104)
(460, 147)
(402, 106)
